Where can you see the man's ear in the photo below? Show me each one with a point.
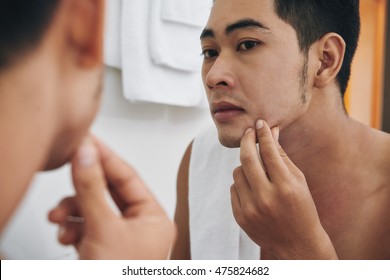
(85, 33)
(330, 51)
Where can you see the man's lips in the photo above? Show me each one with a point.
(225, 111)
(221, 107)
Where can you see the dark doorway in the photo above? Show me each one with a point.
(386, 97)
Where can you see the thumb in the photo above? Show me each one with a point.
(90, 184)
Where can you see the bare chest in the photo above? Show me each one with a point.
(358, 224)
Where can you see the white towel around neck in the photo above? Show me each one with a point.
(214, 233)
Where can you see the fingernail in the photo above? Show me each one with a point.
(259, 124)
(249, 130)
(275, 133)
(86, 155)
(61, 232)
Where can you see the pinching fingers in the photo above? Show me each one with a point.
(269, 151)
(90, 184)
(250, 160)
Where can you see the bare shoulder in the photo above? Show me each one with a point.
(376, 160)
(183, 173)
(375, 200)
(380, 148)
(181, 249)
(185, 162)
(381, 196)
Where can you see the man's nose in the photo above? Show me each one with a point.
(220, 74)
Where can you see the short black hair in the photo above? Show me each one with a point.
(22, 25)
(312, 19)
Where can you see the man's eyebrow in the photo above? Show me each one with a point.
(207, 33)
(245, 23)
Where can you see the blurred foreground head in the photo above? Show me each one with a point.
(51, 69)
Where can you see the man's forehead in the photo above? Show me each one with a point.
(244, 6)
(228, 16)
(227, 12)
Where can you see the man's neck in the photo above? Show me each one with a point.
(322, 139)
(325, 146)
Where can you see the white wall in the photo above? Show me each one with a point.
(151, 137)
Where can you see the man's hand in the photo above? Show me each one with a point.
(140, 231)
(272, 202)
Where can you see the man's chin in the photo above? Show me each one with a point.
(229, 142)
(55, 163)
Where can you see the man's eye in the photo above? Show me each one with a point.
(247, 45)
(209, 53)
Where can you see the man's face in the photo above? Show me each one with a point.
(253, 68)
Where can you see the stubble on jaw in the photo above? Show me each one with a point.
(303, 78)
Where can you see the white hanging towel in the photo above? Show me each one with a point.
(161, 59)
(174, 33)
(112, 47)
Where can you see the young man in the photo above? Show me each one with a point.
(284, 65)
(50, 86)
